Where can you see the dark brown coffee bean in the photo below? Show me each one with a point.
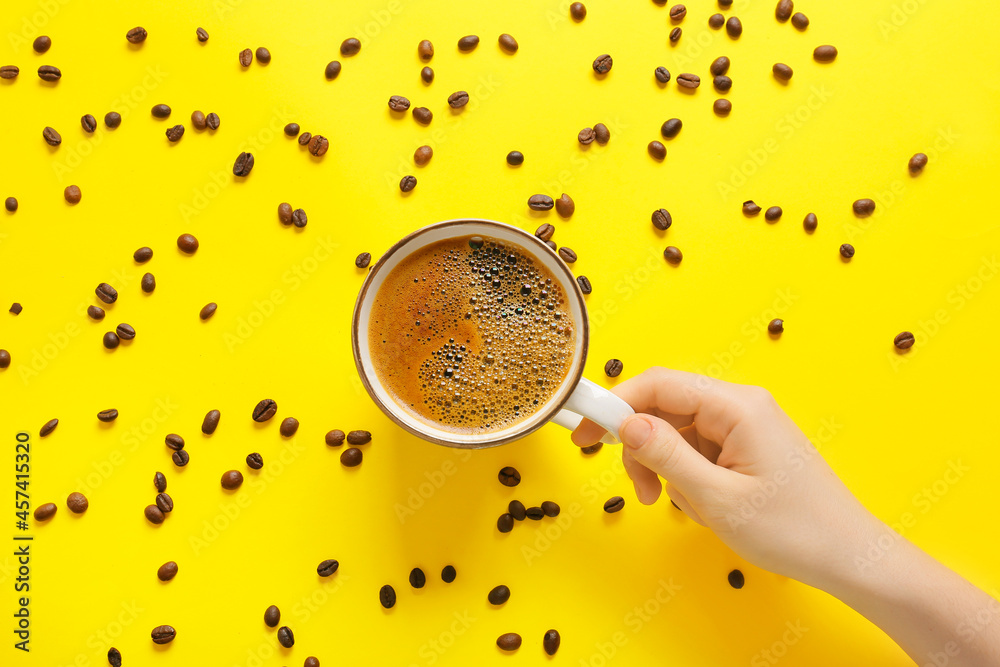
(509, 476)
(825, 53)
(459, 99)
(72, 194)
(112, 120)
(163, 634)
(164, 502)
(516, 509)
(863, 207)
(332, 70)
(187, 243)
(613, 505)
(48, 427)
(202, 35)
(327, 567)
(541, 203)
(288, 427)
(174, 441)
(423, 155)
(783, 11)
(578, 11)
(427, 75)
(136, 35)
(89, 123)
(49, 73)
(148, 283)
(809, 222)
(716, 21)
(736, 579)
(363, 260)
(41, 44)
(107, 415)
(167, 571)
(656, 150)
(847, 251)
(601, 133)
(334, 438)
(719, 66)
(584, 283)
(613, 368)
(781, 71)
(45, 512)
(264, 410)
(673, 255)
(143, 255)
(243, 164)
(350, 46)
(351, 457)
(106, 293)
(510, 641)
(565, 206)
(232, 479)
(545, 232)
(15, 308)
(95, 313)
(662, 219)
(425, 50)
(285, 637)
(4, 359)
(292, 130)
(299, 218)
(399, 103)
(722, 83)
(448, 574)
(534, 513)
(505, 523)
(917, 163)
(246, 57)
(750, 208)
(499, 595)
(733, 27)
(52, 138)
(9, 71)
(422, 115)
(77, 503)
(285, 213)
(272, 616)
(180, 458)
(111, 340)
(567, 254)
(208, 310)
(160, 482)
(213, 121)
(603, 64)
(903, 341)
(550, 641)
(800, 21)
(359, 438)
(670, 128)
(407, 183)
(175, 133)
(773, 214)
(319, 145)
(468, 43)
(678, 12)
(662, 74)
(776, 326)
(515, 158)
(722, 107)
(255, 461)
(508, 43)
(550, 508)
(153, 514)
(586, 136)
(689, 81)
(263, 55)
(161, 111)
(675, 35)
(592, 449)
(387, 596)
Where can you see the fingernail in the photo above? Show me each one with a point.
(635, 432)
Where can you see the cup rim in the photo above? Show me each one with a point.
(439, 436)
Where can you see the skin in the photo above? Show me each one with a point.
(723, 447)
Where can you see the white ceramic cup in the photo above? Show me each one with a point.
(575, 398)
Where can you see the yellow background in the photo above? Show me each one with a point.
(911, 76)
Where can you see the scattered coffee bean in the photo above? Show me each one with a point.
(736, 579)
(603, 63)
(285, 637)
(515, 158)
(498, 595)
(15, 308)
(9, 71)
(750, 208)
(459, 99)
(586, 136)
(49, 73)
(776, 326)
(510, 641)
(423, 115)
(52, 138)
(656, 150)
(387, 596)
(232, 479)
(675, 35)
(136, 35)
(423, 155)
(174, 442)
(153, 514)
(10, 204)
(107, 415)
(592, 449)
(509, 476)
(180, 458)
(148, 283)
(722, 83)
(164, 502)
(272, 616)
(516, 509)
(662, 74)
(167, 571)
(161, 111)
(407, 183)
(468, 43)
(45, 512)
(673, 255)
(112, 120)
(213, 121)
(825, 53)
(773, 214)
(613, 505)
(350, 46)
(534, 513)
(662, 219)
(202, 35)
(781, 71)
(89, 123)
(508, 43)
(505, 523)
(292, 130)
(4, 359)
(904, 340)
(264, 410)
(550, 508)
(783, 11)
(285, 213)
(565, 206)
(863, 207)
(448, 574)
(578, 11)
(332, 70)
(41, 44)
(584, 283)
(917, 163)
(263, 55)
(613, 368)
(114, 657)
(243, 164)
(541, 203)
(288, 427)
(809, 222)
(722, 107)
(160, 482)
(77, 503)
(550, 642)
(72, 194)
(363, 260)
(567, 254)
(716, 21)
(719, 66)
(733, 27)
(163, 634)
(427, 75)
(246, 57)
(255, 461)
(602, 134)
(351, 457)
(318, 145)
(299, 218)
(417, 578)
(335, 438)
(187, 243)
(678, 12)
(143, 255)
(847, 251)
(800, 20)
(111, 340)
(327, 567)
(425, 50)
(399, 103)
(670, 128)
(208, 310)
(689, 81)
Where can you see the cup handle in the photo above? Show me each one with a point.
(596, 404)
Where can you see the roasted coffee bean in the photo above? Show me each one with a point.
(359, 438)
(77, 503)
(510, 641)
(136, 35)
(613, 505)
(41, 44)
(246, 57)
(656, 150)
(153, 514)
(722, 107)
(592, 449)
(319, 145)
(332, 70)
(106, 293)
(847, 251)
(243, 164)
(468, 43)
(719, 66)
(586, 136)
(285, 213)
(534, 513)
(750, 208)
(202, 35)
(578, 11)
(232, 479)
(584, 283)
(4, 359)
(459, 99)
(148, 283)
(550, 641)
(917, 163)
(550, 508)
(167, 571)
(15, 308)
(10, 204)
(904, 340)
(541, 203)
(174, 441)
(809, 222)
(52, 138)
(545, 232)
(776, 326)
(89, 123)
(114, 657)
(264, 410)
(387, 596)
(351, 457)
(423, 155)
(863, 207)
(417, 578)
(143, 255)
(603, 63)
(662, 74)
(187, 243)
(800, 20)
(285, 637)
(164, 502)
(825, 53)
(662, 219)
(180, 458)
(161, 111)
(613, 368)
(678, 12)
(49, 73)
(567, 255)
(773, 214)
(509, 476)
(107, 415)
(689, 81)
(72, 194)
(334, 438)
(422, 115)
(736, 579)
(733, 27)
(670, 128)
(350, 46)
(9, 71)
(163, 634)
(425, 50)
(498, 595)
(363, 260)
(407, 183)
(208, 310)
(112, 120)
(160, 482)
(515, 158)
(675, 35)
(448, 574)
(565, 206)
(48, 427)
(255, 461)
(781, 71)
(272, 616)
(292, 130)
(505, 523)
(213, 121)
(327, 567)
(507, 43)
(601, 133)
(516, 509)
(263, 55)
(722, 83)
(299, 218)
(783, 11)
(673, 255)
(111, 340)
(399, 103)
(716, 21)
(288, 427)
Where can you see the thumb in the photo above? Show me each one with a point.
(657, 445)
